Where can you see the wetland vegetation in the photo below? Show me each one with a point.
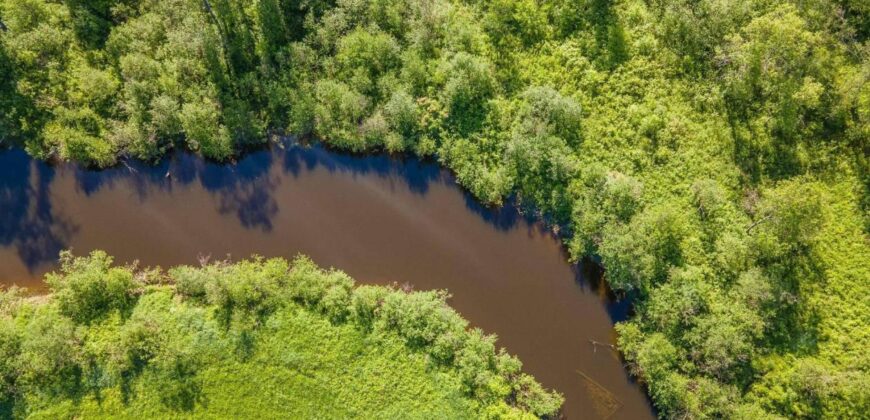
(713, 155)
(252, 339)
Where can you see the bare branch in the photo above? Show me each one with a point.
(595, 345)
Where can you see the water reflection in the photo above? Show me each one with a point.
(245, 189)
(415, 174)
(590, 276)
(28, 223)
(380, 218)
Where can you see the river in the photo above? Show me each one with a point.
(380, 219)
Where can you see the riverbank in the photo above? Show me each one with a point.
(251, 339)
(714, 158)
(381, 220)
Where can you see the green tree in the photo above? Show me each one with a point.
(639, 255)
(87, 288)
(779, 82)
(469, 84)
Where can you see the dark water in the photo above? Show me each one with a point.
(381, 220)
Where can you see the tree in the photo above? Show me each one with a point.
(723, 341)
(203, 131)
(778, 81)
(676, 306)
(544, 110)
(363, 57)
(601, 198)
(546, 127)
(88, 288)
(469, 85)
(402, 113)
(338, 114)
(542, 166)
(48, 356)
(639, 255)
(789, 217)
(516, 24)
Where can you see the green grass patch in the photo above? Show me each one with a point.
(256, 339)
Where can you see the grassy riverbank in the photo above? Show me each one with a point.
(713, 154)
(259, 338)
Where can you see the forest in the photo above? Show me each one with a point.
(253, 339)
(713, 156)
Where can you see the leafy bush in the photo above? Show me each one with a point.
(89, 288)
(162, 348)
(710, 152)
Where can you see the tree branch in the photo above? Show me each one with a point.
(758, 222)
(595, 345)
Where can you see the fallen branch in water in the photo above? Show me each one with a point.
(595, 345)
(128, 166)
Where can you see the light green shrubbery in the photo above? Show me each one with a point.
(157, 342)
(710, 152)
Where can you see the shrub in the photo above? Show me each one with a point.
(87, 288)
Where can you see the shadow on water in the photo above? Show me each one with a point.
(37, 201)
(417, 175)
(504, 217)
(28, 223)
(414, 173)
(589, 275)
(244, 189)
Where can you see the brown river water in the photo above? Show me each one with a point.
(380, 219)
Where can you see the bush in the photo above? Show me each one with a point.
(87, 288)
(203, 130)
(177, 348)
(338, 113)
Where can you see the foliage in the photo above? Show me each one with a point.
(251, 339)
(713, 155)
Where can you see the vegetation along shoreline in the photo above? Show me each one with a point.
(714, 155)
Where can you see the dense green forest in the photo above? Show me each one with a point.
(255, 339)
(713, 155)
